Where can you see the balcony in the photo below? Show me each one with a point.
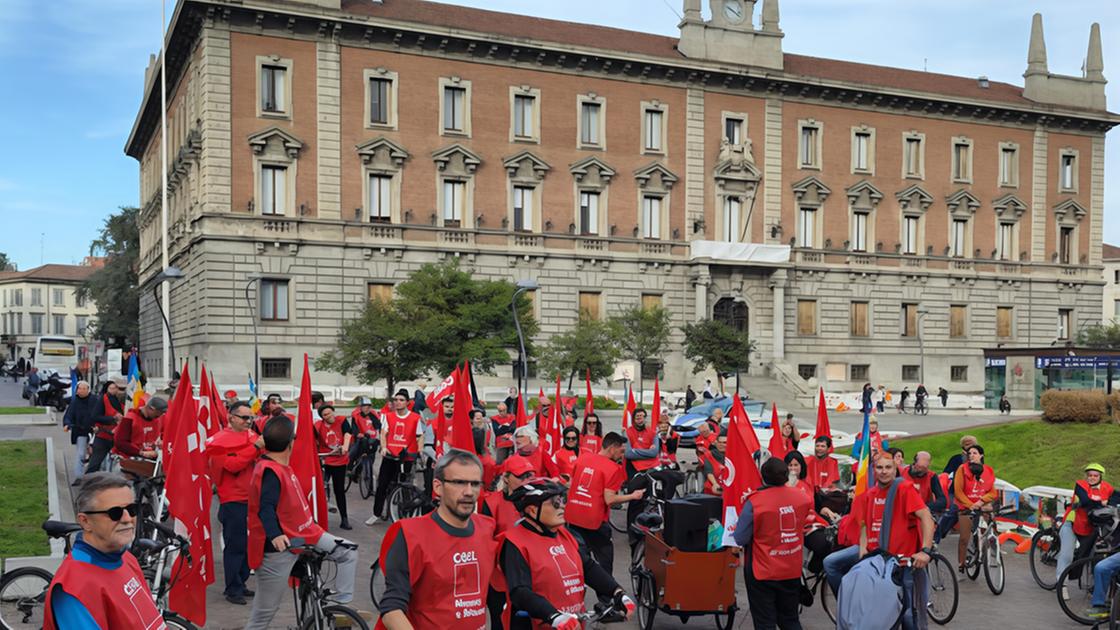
(526, 240)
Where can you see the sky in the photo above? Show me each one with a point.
(73, 72)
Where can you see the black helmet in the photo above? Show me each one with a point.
(535, 492)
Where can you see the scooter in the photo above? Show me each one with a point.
(54, 391)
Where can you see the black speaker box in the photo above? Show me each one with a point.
(712, 504)
(686, 525)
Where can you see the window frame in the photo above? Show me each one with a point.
(907, 317)
(859, 325)
(277, 62)
(804, 324)
(446, 85)
(918, 173)
(958, 321)
(464, 207)
(1010, 228)
(864, 372)
(859, 217)
(731, 233)
(516, 93)
(595, 297)
(269, 288)
(813, 223)
(389, 205)
(374, 287)
(869, 167)
(661, 110)
(958, 243)
(270, 363)
(803, 161)
(369, 75)
(1009, 179)
(958, 373)
(37, 321)
(55, 328)
(36, 296)
(600, 142)
(525, 192)
(645, 232)
(1010, 324)
(911, 234)
(961, 173)
(1067, 247)
(741, 118)
(1065, 323)
(597, 195)
(915, 373)
(58, 298)
(1073, 185)
(263, 167)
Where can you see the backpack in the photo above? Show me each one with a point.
(869, 597)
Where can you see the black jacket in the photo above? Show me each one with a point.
(81, 415)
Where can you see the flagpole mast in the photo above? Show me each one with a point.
(168, 360)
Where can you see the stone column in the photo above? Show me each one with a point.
(778, 284)
(328, 149)
(702, 281)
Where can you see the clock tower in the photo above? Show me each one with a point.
(730, 35)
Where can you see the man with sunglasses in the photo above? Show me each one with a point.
(100, 584)
(503, 424)
(401, 444)
(437, 567)
(517, 472)
(233, 453)
(546, 568)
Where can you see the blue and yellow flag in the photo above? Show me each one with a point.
(135, 389)
(863, 466)
(254, 400)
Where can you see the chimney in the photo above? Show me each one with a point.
(1036, 54)
(1094, 61)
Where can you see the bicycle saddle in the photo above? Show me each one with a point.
(60, 529)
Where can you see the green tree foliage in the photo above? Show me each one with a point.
(712, 344)
(114, 287)
(381, 344)
(642, 334)
(590, 345)
(6, 263)
(1104, 336)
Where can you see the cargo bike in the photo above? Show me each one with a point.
(685, 584)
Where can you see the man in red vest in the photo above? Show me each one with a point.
(516, 472)
(334, 448)
(400, 446)
(926, 482)
(546, 568)
(113, 403)
(770, 530)
(233, 454)
(643, 452)
(437, 567)
(824, 471)
(503, 424)
(279, 519)
(100, 584)
(140, 433)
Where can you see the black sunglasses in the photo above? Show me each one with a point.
(117, 513)
(246, 418)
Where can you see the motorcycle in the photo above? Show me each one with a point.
(54, 391)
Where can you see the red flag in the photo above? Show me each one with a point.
(305, 457)
(188, 495)
(777, 445)
(540, 396)
(217, 406)
(740, 473)
(522, 417)
(443, 390)
(550, 426)
(206, 416)
(589, 404)
(628, 411)
(655, 413)
(462, 437)
(823, 426)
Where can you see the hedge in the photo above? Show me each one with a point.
(1090, 406)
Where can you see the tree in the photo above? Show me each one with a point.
(6, 263)
(642, 334)
(114, 287)
(590, 345)
(380, 344)
(712, 344)
(1103, 336)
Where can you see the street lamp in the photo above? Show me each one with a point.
(921, 349)
(527, 284)
(169, 273)
(254, 277)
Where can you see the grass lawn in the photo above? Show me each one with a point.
(23, 498)
(17, 411)
(1031, 452)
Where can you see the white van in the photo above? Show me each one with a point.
(56, 353)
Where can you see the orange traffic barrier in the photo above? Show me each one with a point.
(1022, 543)
(841, 407)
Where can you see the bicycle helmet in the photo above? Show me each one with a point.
(535, 492)
(1095, 466)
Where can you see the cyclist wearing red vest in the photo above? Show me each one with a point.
(233, 454)
(1077, 531)
(334, 448)
(516, 471)
(643, 448)
(770, 532)
(140, 432)
(546, 567)
(567, 454)
(365, 425)
(279, 519)
(974, 488)
(400, 446)
(437, 566)
(591, 436)
(705, 437)
(823, 470)
(713, 462)
(925, 481)
(527, 443)
(112, 402)
(100, 584)
(503, 425)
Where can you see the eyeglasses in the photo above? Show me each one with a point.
(571, 438)
(117, 513)
(592, 422)
(463, 483)
(245, 418)
(558, 501)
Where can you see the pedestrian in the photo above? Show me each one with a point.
(512, 396)
(233, 454)
(952, 513)
(31, 385)
(365, 425)
(503, 424)
(689, 397)
(881, 398)
(591, 436)
(865, 398)
(334, 448)
(112, 412)
(404, 437)
(81, 415)
(713, 463)
(230, 398)
(770, 532)
(823, 470)
(708, 395)
(567, 454)
(790, 433)
(419, 401)
(100, 583)
(437, 566)
(879, 444)
(943, 394)
(527, 443)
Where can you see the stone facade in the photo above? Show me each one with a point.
(845, 214)
(43, 301)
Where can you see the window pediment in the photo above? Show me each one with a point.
(914, 199)
(962, 202)
(811, 191)
(382, 152)
(456, 160)
(737, 167)
(1009, 207)
(592, 171)
(526, 166)
(864, 196)
(655, 176)
(1069, 207)
(278, 138)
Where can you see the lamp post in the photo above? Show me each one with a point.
(254, 277)
(523, 378)
(169, 273)
(921, 349)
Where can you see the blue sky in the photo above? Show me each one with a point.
(73, 72)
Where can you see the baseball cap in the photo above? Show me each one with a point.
(231, 393)
(517, 466)
(157, 403)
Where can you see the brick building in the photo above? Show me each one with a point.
(321, 150)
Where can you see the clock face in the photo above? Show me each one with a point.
(733, 11)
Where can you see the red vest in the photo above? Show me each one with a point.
(1101, 493)
(642, 440)
(448, 574)
(400, 433)
(545, 466)
(328, 437)
(924, 485)
(717, 471)
(115, 598)
(666, 457)
(779, 515)
(145, 433)
(703, 445)
(364, 424)
(590, 443)
(503, 512)
(975, 488)
(587, 507)
(232, 487)
(566, 461)
(505, 440)
(105, 431)
(822, 472)
(292, 510)
(554, 566)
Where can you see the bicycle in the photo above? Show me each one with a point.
(362, 470)
(984, 550)
(1045, 547)
(1075, 584)
(158, 552)
(944, 592)
(921, 407)
(817, 583)
(310, 593)
(406, 499)
(23, 591)
(654, 503)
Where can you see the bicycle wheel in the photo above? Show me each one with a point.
(1114, 608)
(647, 600)
(404, 502)
(618, 518)
(944, 594)
(366, 484)
(175, 622)
(23, 592)
(828, 599)
(1077, 579)
(335, 616)
(993, 565)
(972, 560)
(725, 621)
(376, 584)
(1045, 545)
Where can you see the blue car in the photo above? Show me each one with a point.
(685, 424)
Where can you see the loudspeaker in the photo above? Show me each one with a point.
(686, 525)
(712, 504)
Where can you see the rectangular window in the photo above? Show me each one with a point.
(651, 301)
(1116, 277)
(1065, 318)
(732, 215)
(860, 372)
(861, 151)
(380, 291)
(1008, 166)
(806, 317)
(36, 324)
(909, 235)
(57, 297)
(957, 238)
(274, 300)
(1115, 309)
(858, 324)
(19, 323)
(1065, 245)
(653, 121)
(380, 198)
(523, 105)
(590, 305)
(522, 209)
(274, 89)
(806, 227)
(859, 231)
(589, 213)
(809, 137)
(274, 195)
(454, 109)
(958, 373)
(79, 299)
(909, 320)
(1004, 244)
(379, 103)
(589, 127)
(17, 297)
(651, 217)
(454, 196)
(83, 324)
(36, 297)
(962, 161)
(958, 320)
(1003, 321)
(912, 157)
(1068, 178)
(58, 325)
(733, 130)
(807, 370)
(912, 373)
(276, 368)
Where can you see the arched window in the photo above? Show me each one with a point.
(732, 312)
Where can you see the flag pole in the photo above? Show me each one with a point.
(168, 361)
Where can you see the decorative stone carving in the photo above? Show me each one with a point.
(1067, 207)
(276, 137)
(1009, 207)
(592, 172)
(864, 196)
(811, 191)
(382, 153)
(914, 199)
(655, 177)
(456, 160)
(526, 167)
(962, 202)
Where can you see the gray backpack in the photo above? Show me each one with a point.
(869, 598)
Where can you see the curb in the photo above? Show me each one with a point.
(24, 419)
